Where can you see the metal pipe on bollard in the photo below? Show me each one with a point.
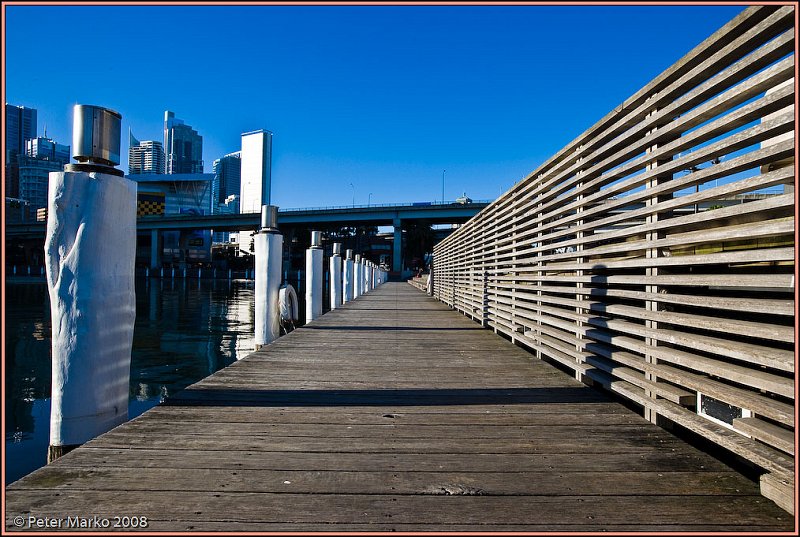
(90, 249)
(347, 277)
(314, 277)
(336, 276)
(268, 243)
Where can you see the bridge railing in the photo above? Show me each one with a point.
(613, 260)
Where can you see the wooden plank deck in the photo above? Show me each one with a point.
(395, 413)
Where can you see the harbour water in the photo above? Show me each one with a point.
(185, 330)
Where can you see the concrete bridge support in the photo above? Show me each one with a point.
(397, 248)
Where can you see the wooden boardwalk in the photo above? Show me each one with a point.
(395, 413)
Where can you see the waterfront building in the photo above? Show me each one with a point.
(145, 157)
(227, 179)
(256, 180)
(190, 193)
(183, 147)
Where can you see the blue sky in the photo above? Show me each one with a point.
(383, 97)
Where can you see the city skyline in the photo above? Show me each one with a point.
(383, 97)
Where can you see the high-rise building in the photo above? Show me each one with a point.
(20, 126)
(34, 179)
(145, 157)
(227, 178)
(42, 156)
(256, 170)
(256, 178)
(182, 145)
(46, 149)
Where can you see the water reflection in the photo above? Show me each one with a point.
(185, 330)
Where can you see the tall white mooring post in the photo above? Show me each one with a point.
(357, 278)
(90, 249)
(347, 277)
(336, 276)
(268, 244)
(314, 277)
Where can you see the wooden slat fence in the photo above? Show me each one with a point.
(654, 255)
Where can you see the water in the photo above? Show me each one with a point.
(185, 330)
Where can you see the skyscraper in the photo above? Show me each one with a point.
(182, 145)
(145, 157)
(227, 178)
(42, 156)
(46, 149)
(256, 170)
(256, 178)
(20, 126)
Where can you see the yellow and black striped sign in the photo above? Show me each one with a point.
(148, 203)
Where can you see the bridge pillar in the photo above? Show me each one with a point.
(155, 249)
(397, 249)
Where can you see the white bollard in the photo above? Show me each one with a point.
(268, 243)
(357, 277)
(336, 276)
(90, 249)
(314, 277)
(347, 277)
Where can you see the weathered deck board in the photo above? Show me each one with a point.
(395, 414)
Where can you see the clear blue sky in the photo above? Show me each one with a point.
(383, 97)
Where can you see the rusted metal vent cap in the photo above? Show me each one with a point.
(96, 135)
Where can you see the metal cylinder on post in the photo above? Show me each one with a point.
(268, 244)
(90, 249)
(347, 277)
(336, 276)
(314, 277)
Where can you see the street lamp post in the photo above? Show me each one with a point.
(443, 186)
(354, 194)
(369, 199)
